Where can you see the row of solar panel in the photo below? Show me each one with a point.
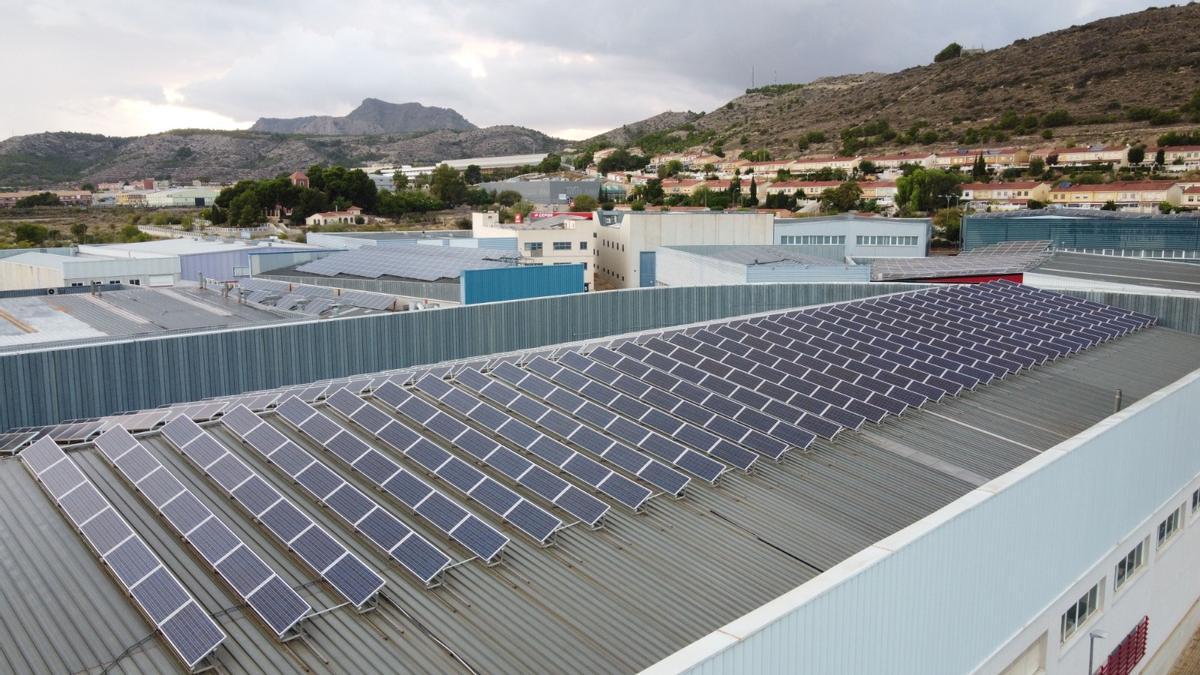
(188, 629)
(360, 512)
(326, 556)
(267, 594)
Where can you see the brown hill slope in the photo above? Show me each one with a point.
(1096, 73)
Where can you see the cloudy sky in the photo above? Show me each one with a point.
(571, 69)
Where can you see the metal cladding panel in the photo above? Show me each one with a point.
(217, 265)
(942, 563)
(1080, 228)
(647, 266)
(518, 283)
(103, 379)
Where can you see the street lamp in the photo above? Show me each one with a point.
(958, 202)
(1092, 637)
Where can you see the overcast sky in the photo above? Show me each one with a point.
(570, 69)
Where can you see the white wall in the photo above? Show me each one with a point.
(16, 276)
(851, 228)
(946, 593)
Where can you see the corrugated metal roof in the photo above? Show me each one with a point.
(611, 600)
(1178, 276)
(426, 263)
(760, 255)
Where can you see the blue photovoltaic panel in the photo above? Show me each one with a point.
(283, 519)
(200, 527)
(583, 506)
(406, 403)
(347, 501)
(157, 593)
(476, 535)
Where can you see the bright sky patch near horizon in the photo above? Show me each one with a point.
(569, 69)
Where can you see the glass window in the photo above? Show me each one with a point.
(533, 246)
(583, 246)
(1195, 500)
(1078, 613)
(1169, 526)
(1128, 565)
(562, 246)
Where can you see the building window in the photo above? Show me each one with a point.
(1078, 613)
(1169, 526)
(1131, 563)
(533, 246)
(1196, 500)
(583, 246)
(562, 246)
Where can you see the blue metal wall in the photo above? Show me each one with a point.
(1088, 231)
(647, 269)
(518, 283)
(51, 385)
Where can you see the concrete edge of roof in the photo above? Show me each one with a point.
(759, 619)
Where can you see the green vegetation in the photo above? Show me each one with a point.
(1179, 138)
(622, 160)
(1136, 154)
(774, 89)
(866, 135)
(924, 189)
(844, 197)
(584, 203)
(951, 51)
(40, 199)
(672, 140)
(1057, 118)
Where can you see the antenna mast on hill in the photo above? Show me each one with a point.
(751, 76)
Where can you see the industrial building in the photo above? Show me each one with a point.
(1175, 236)
(197, 258)
(189, 197)
(628, 240)
(439, 273)
(545, 190)
(553, 239)
(81, 268)
(73, 315)
(859, 236)
(461, 238)
(715, 265)
(719, 497)
(1009, 260)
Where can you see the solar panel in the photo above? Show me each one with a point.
(423, 263)
(583, 506)
(13, 441)
(280, 516)
(634, 436)
(645, 416)
(525, 516)
(280, 608)
(188, 629)
(477, 536)
(418, 555)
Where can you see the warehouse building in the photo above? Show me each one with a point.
(859, 236)
(545, 190)
(1174, 236)
(627, 240)
(186, 197)
(551, 239)
(436, 273)
(717, 265)
(460, 238)
(688, 552)
(52, 270)
(197, 258)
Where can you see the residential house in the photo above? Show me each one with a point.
(768, 168)
(1185, 156)
(68, 197)
(1081, 156)
(811, 189)
(1143, 197)
(882, 191)
(681, 186)
(348, 217)
(1004, 196)
(299, 179)
(816, 163)
(1191, 197)
(897, 160)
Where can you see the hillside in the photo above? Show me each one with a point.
(626, 134)
(371, 117)
(1099, 74)
(64, 158)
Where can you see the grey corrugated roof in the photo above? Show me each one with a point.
(1180, 276)
(759, 255)
(612, 600)
(933, 267)
(425, 263)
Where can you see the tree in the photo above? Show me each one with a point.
(951, 51)
(584, 203)
(1109, 205)
(79, 231)
(39, 199)
(948, 223)
(1034, 204)
(622, 160)
(652, 192)
(1136, 154)
(923, 189)
(670, 169)
(400, 181)
(550, 164)
(867, 168)
(979, 169)
(34, 234)
(474, 175)
(1036, 166)
(753, 200)
(508, 197)
(638, 205)
(447, 185)
(841, 198)
(1160, 157)
(88, 187)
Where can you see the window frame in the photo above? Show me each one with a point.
(1131, 564)
(1081, 611)
(1169, 527)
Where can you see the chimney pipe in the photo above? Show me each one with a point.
(1117, 402)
